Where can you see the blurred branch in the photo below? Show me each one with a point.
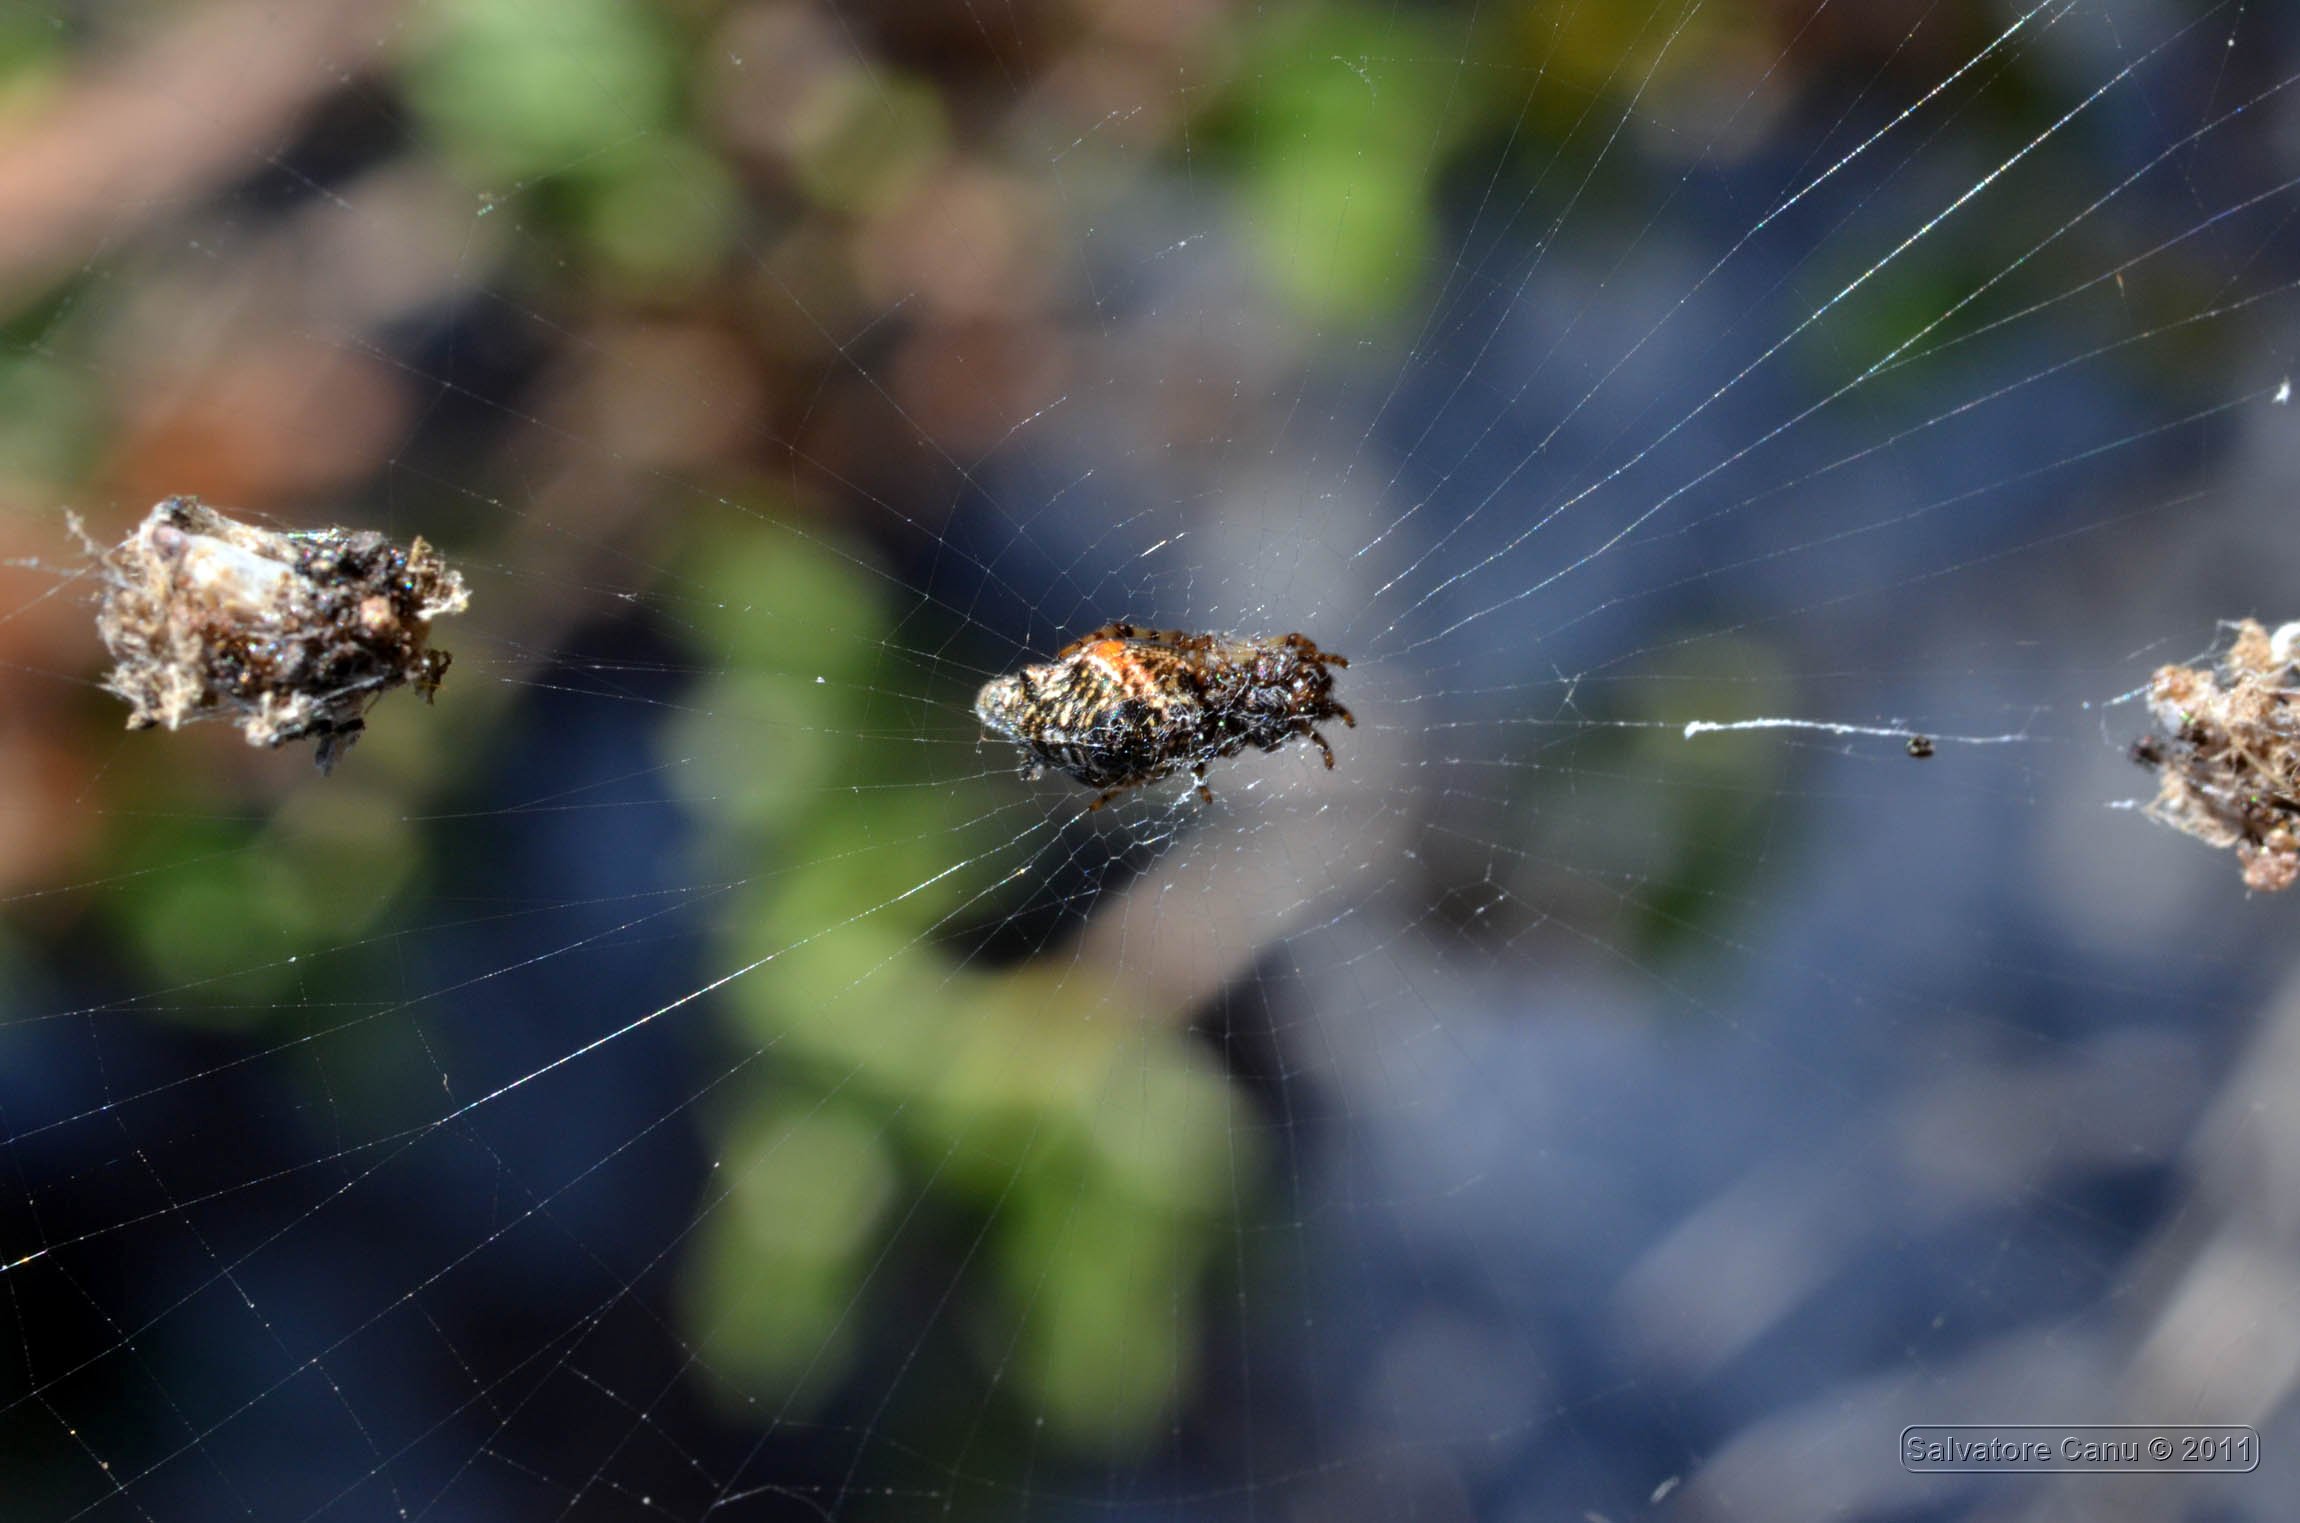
(201, 102)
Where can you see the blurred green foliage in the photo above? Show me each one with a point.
(1343, 115)
(51, 416)
(1722, 814)
(1594, 59)
(226, 899)
(1346, 118)
(1091, 1148)
(860, 142)
(47, 418)
(514, 91)
(584, 98)
(30, 51)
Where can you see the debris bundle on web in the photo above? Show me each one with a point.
(2228, 756)
(288, 636)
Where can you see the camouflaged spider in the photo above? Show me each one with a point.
(1124, 706)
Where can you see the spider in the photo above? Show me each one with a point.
(1124, 706)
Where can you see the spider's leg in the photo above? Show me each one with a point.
(1305, 647)
(1107, 795)
(1344, 715)
(1323, 749)
(1205, 794)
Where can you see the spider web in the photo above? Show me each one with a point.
(686, 1073)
